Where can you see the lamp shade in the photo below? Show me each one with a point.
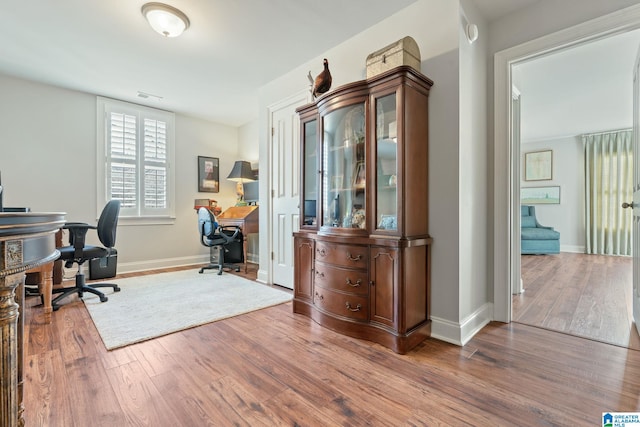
(165, 19)
(241, 172)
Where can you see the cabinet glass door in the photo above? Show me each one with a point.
(343, 168)
(387, 167)
(309, 209)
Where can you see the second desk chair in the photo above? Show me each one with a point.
(228, 239)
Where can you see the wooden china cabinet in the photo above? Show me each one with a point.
(362, 254)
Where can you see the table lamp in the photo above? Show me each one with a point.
(241, 173)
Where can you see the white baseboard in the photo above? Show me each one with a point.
(131, 267)
(572, 248)
(253, 258)
(459, 333)
(263, 276)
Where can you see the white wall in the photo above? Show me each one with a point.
(541, 18)
(475, 309)
(568, 174)
(248, 150)
(548, 16)
(48, 161)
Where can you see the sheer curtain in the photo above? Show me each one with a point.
(608, 161)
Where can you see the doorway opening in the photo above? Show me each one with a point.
(508, 160)
(582, 89)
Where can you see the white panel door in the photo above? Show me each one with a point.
(636, 192)
(285, 189)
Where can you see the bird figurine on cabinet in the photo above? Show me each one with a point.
(322, 82)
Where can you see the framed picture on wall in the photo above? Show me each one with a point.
(540, 195)
(208, 174)
(538, 165)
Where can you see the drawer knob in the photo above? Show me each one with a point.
(320, 274)
(358, 307)
(321, 252)
(320, 297)
(355, 285)
(357, 258)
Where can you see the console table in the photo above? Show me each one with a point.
(245, 217)
(27, 241)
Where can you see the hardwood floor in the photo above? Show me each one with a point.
(273, 368)
(584, 295)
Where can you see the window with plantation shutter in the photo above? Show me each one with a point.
(122, 149)
(155, 164)
(137, 143)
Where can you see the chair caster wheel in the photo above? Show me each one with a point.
(116, 289)
(237, 269)
(103, 299)
(200, 271)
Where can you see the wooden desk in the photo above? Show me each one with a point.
(45, 287)
(245, 217)
(46, 278)
(26, 242)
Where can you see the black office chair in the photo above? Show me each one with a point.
(79, 252)
(227, 238)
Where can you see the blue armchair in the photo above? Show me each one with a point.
(536, 238)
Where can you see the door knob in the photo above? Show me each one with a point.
(626, 205)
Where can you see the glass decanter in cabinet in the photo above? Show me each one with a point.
(362, 263)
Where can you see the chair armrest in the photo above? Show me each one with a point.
(77, 236)
(229, 238)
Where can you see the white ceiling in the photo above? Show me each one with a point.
(496, 9)
(579, 90)
(213, 70)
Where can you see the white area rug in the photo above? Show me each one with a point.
(159, 304)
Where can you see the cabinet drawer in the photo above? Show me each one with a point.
(342, 279)
(341, 304)
(343, 255)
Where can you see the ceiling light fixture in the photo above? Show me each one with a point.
(165, 19)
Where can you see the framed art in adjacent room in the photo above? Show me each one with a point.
(540, 195)
(208, 174)
(538, 165)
